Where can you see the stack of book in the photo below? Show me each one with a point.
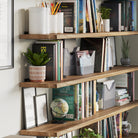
(54, 49)
(111, 127)
(125, 83)
(81, 16)
(122, 97)
(123, 14)
(81, 99)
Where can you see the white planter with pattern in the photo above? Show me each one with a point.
(106, 25)
(37, 73)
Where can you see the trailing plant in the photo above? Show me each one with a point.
(37, 59)
(105, 12)
(125, 48)
(87, 133)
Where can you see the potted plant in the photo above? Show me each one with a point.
(37, 69)
(88, 133)
(105, 14)
(125, 60)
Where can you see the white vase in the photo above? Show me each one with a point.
(37, 73)
(106, 25)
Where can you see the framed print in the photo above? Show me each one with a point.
(41, 109)
(29, 108)
(6, 34)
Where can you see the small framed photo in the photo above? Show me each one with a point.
(29, 110)
(41, 109)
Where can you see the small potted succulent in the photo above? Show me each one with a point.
(105, 14)
(125, 60)
(37, 69)
(88, 133)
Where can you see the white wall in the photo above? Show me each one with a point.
(10, 92)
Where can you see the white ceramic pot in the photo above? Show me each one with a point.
(37, 73)
(106, 25)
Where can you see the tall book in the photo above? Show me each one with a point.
(82, 100)
(90, 24)
(94, 97)
(75, 12)
(68, 9)
(82, 16)
(76, 97)
(90, 97)
(51, 49)
(131, 85)
(93, 16)
(86, 88)
(66, 93)
(118, 124)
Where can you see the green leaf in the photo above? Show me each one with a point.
(37, 59)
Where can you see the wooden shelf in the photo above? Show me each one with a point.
(132, 135)
(56, 130)
(74, 36)
(72, 80)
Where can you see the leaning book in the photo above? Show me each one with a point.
(66, 93)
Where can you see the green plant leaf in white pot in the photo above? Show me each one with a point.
(37, 68)
(125, 60)
(105, 14)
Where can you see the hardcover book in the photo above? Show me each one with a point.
(66, 93)
(51, 66)
(68, 9)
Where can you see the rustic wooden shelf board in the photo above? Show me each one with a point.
(56, 130)
(72, 80)
(132, 135)
(74, 36)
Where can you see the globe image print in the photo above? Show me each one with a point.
(59, 108)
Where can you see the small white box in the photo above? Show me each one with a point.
(53, 23)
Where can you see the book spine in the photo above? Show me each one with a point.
(87, 98)
(135, 15)
(82, 91)
(75, 17)
(119, 16)
(89, 16)
(81, 21)
(58, 61)
(105, 128)
(132, 11)
(77, 101)
(120, 125)
(61, 60)
(84, 16)
(78, 16)
(123, 16)
(93, 16)
(133, 86)
(90, 98)
(80, 101)
(94, 97)
(95, 13)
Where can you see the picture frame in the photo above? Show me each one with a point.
(41, 109)
(29, 107)
(7, 34)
